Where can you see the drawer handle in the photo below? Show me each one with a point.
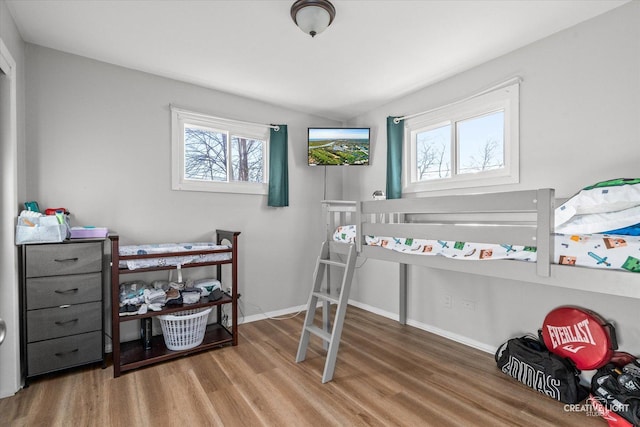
(64, 353)
(68, 291)
(60, 322)
(66, 259)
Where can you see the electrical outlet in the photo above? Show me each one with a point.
(447, 301)
(468, 305)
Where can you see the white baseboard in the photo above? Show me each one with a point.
(375, 310)
(429, 328)
(453, 337)
(389, 315)
(273, 314)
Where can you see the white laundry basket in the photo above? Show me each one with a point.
(185, 329)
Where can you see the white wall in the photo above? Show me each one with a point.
(579, 124)
(12, 158)
(99, 145)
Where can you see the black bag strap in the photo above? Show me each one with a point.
(499, 351)
(528, 338)
(541, 338)
(612, 335)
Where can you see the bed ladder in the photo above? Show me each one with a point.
(332, 338)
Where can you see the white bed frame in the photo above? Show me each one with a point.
(516, 217)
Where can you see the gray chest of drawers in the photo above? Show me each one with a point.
(62, 305)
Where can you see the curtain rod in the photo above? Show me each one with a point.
(475, 95)
(174, 107)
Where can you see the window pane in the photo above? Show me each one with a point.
(205, 154)
(481, 143)
(246, 159)
(433, 154)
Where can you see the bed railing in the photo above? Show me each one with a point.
(337, 213)
(517, 218)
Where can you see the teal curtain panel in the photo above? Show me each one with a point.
(395, 134)
(278, 167)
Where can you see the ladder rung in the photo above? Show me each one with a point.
(334, 263)
(319, 332)
(326, 296)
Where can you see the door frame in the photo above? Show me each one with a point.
(10, 376)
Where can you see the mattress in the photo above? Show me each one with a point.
(604, 251)
(608, 251)
(162, 248)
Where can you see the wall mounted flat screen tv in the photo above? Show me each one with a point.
(338, 146)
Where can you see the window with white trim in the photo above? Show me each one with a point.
(470, 143)
(219, 155)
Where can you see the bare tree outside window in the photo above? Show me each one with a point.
(433, 153)
(481, 143)
(490, 156)
(210, 157)
(469, 143)
(246, 159)
(205, 154)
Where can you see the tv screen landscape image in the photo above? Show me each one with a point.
(338, 146)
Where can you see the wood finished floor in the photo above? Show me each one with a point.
(386, 375)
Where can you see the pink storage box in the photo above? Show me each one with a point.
(88, 232)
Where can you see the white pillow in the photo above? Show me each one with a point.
(607, 196)
(600, 222)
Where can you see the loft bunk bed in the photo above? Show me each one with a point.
(517, 226)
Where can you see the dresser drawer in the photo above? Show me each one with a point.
(54, 291)
(51, 355)
(57, 322)
(60, 259)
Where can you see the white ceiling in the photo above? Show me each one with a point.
(374, 52)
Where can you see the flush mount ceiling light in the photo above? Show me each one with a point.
(313, 16)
